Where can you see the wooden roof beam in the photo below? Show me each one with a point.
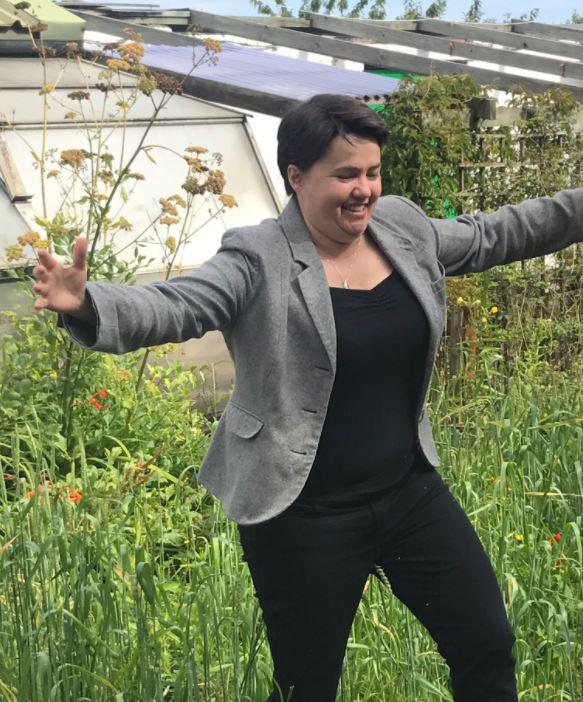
(508, 38)
(453, 47)
(549, 31)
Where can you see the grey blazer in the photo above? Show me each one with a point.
(267, 292)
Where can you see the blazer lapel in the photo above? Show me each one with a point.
(312, 279)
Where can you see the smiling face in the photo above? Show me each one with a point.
(338, 193)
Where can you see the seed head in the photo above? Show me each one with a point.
(78, 95)
(216, 182)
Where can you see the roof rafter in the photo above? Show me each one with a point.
(505, 37)
(553, 31)
(453, 47)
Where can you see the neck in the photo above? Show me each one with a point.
(331, 247)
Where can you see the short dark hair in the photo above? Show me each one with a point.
(307, 129)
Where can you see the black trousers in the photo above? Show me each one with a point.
(309, 566)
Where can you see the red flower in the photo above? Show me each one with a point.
(554, 537)
(95, 402)
(75, 496)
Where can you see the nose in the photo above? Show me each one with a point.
(362, 188)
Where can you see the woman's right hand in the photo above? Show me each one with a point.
(62, 288)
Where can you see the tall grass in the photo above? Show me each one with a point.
(139, 591)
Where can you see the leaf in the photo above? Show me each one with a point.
(149, 156)
(146, 580)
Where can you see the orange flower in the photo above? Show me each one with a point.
(41, 489)
(75, 496)
(554, 537)
(95, 402)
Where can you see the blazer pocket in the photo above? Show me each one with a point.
(242, 422)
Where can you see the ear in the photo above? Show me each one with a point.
(295, 177)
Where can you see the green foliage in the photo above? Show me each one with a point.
(439, 158)
(475, 12)
(427, 122)
(530, 16)
(373, 9)
(413, 10)
(575, 18)
(33, 387)
(437, 153)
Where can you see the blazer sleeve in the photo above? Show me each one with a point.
(130, 317)
(473, 243)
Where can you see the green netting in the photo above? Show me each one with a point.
(394, 74)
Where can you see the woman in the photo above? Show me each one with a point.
(324, 456)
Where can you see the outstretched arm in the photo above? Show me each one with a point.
(472, 243)
(122, 318)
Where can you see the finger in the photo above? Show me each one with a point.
(40, 273)
(41, 289)
(45, 258)
(41, 303)
(80, 253)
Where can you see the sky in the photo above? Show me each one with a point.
(557, 11)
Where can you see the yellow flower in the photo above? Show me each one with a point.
(122, 223)
(169, 220)
(171, 244)
(519, 537)
(494, 310)
(147, 85)
(460, 301)
(46, 89)
(168, 207)
(117, 64)
(14, 252)
(73, 157)
(31, 237)
(484, 320)
(212, 45)
(216, 182)
(124, 374)
(179, 200)
(228, 200)
(131, 51)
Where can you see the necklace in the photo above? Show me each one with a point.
(344, 279)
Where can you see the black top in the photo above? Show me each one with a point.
(368, 437)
